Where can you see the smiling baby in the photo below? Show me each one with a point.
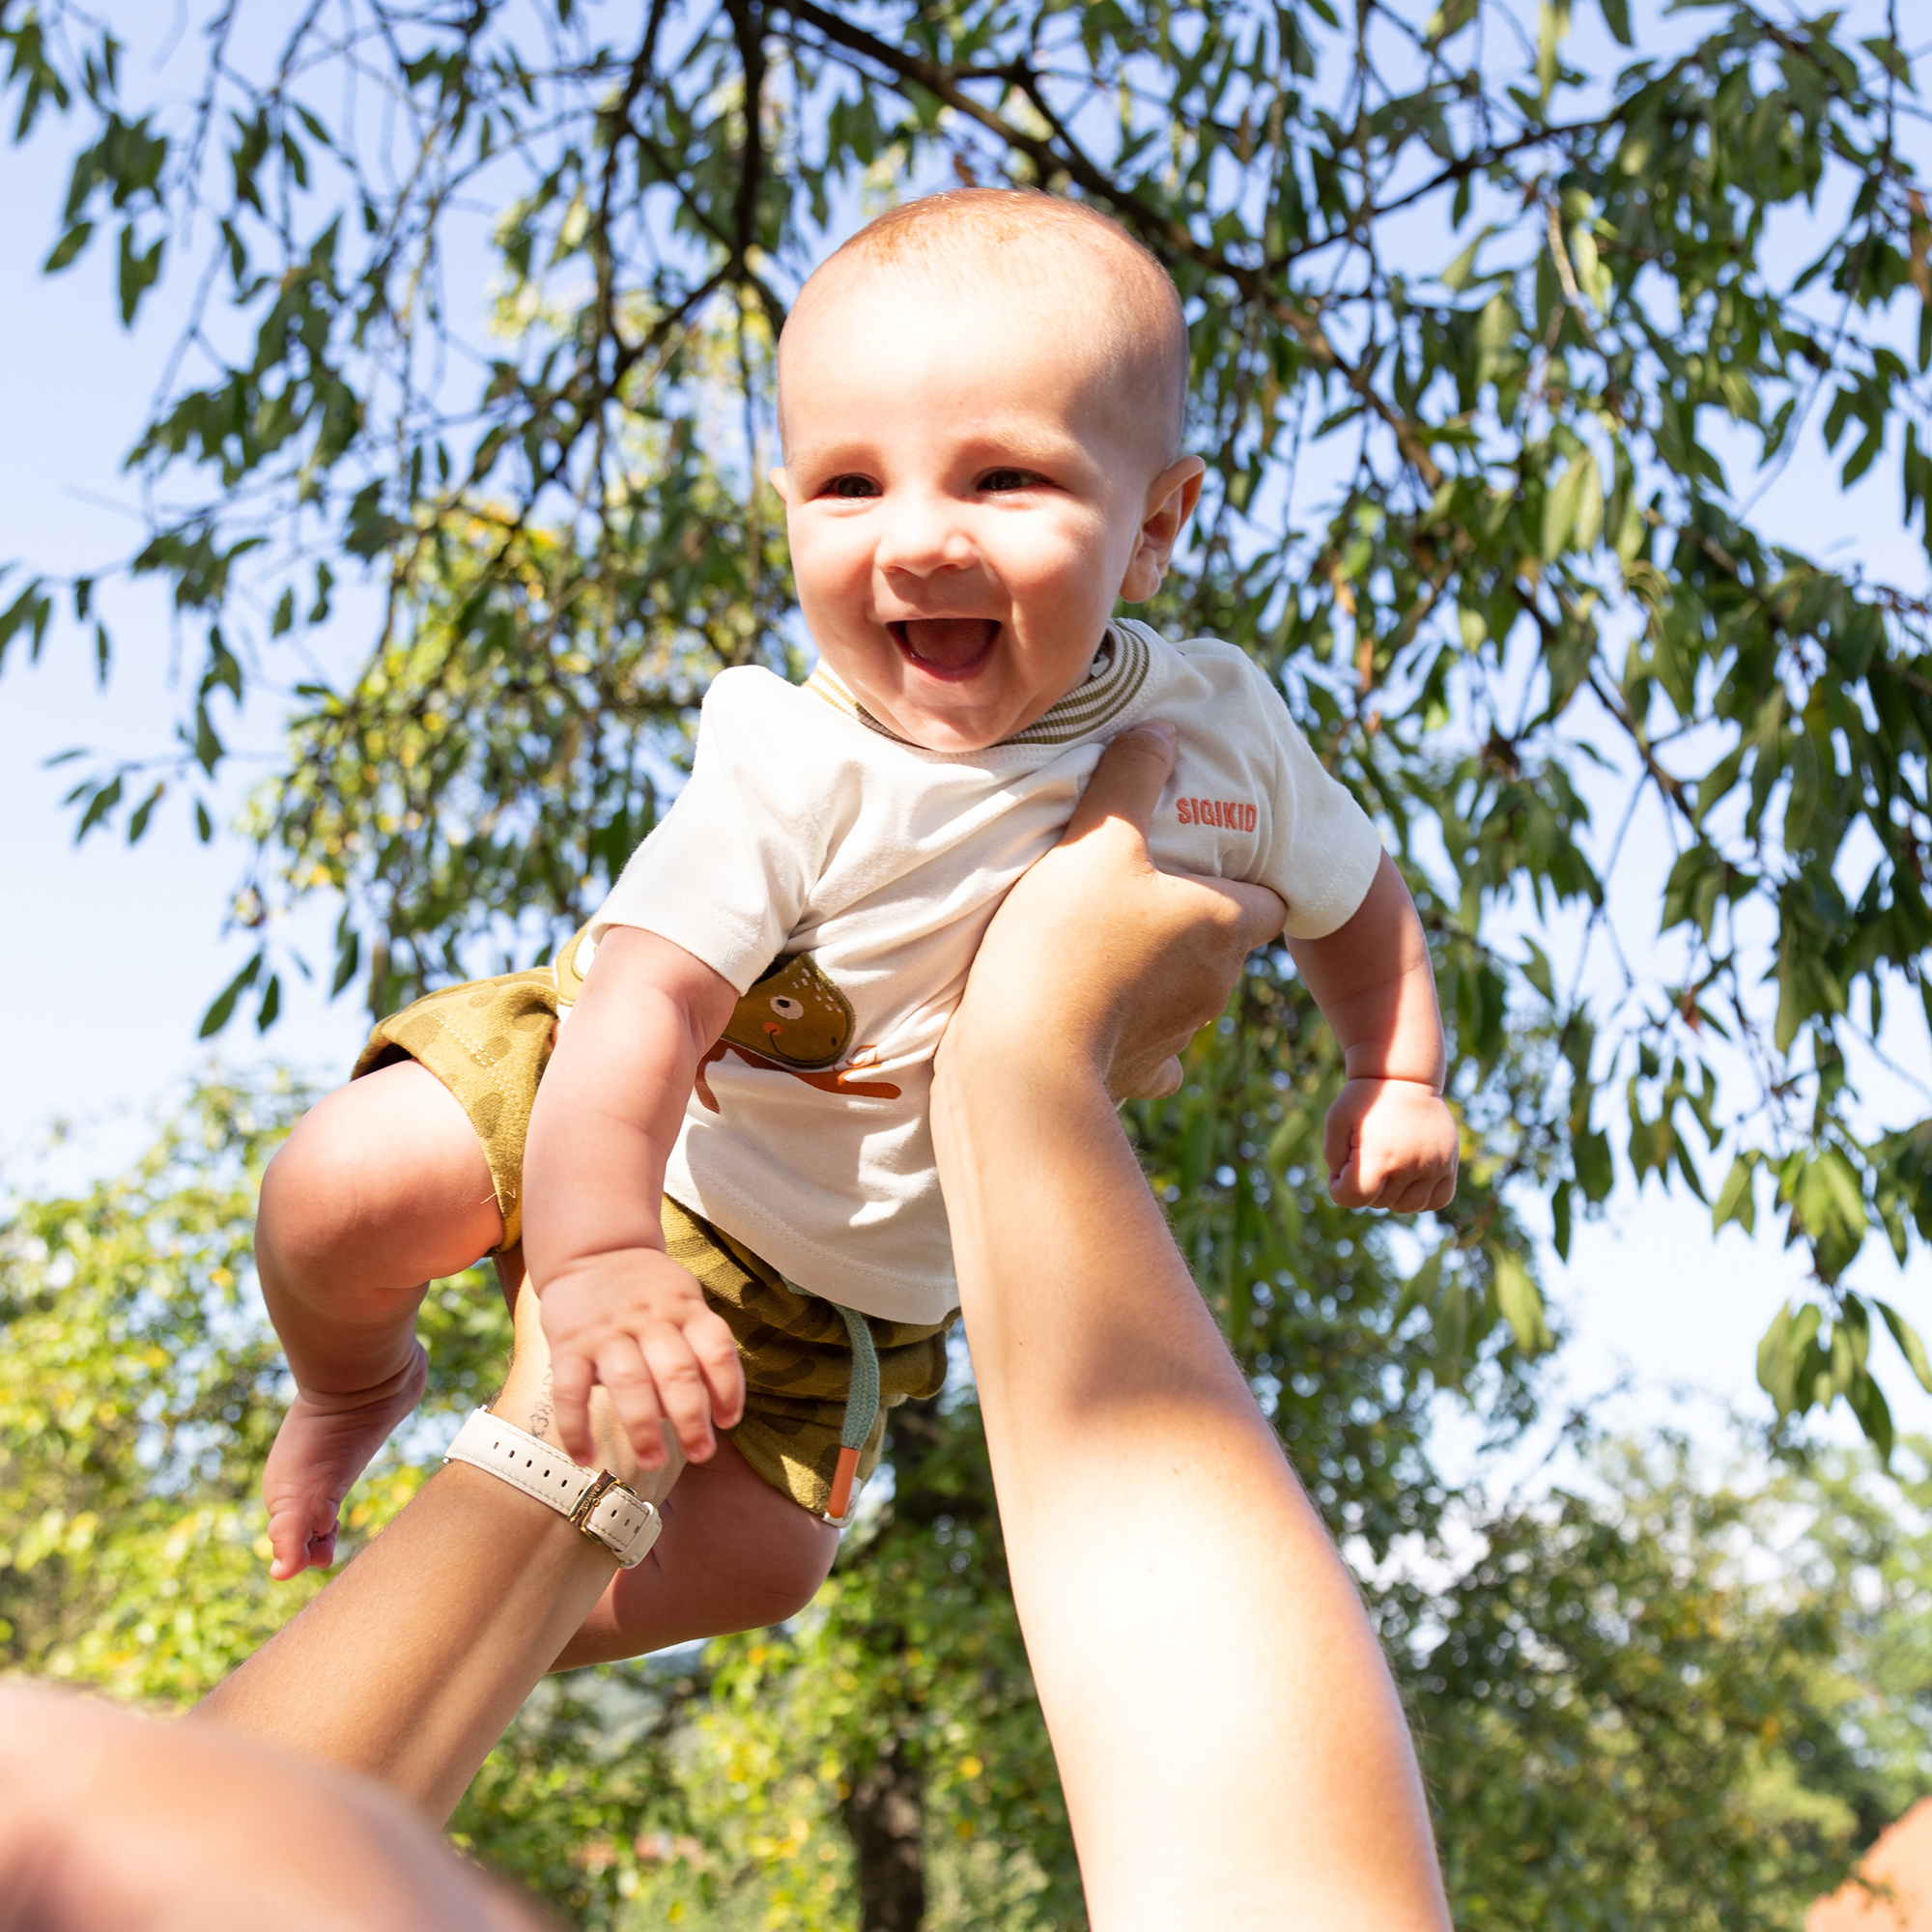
(726, 1195)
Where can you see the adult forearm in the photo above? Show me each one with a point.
(1230, 1744)
(408, 1667)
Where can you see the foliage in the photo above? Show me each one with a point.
(1668, 1705)
(136, 1405)
(1492, 523)
(1641, 1701)
(1490, 517)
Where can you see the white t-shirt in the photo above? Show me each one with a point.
(807, 826)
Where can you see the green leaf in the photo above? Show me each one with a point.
(68, 248)
(1736, 1201)
(271, 1004)
(1866, 1400)
(1458, 272)
(1596, 1170)
(1572, 512)
(222, 1010)
(208, 747)
(1520, 1301)
(137, 823)
(1552, 29)
(137, 272)
(1910, 1346)
(1536, 970)
(105, 798)
(1617, 19)
(348, 956)
(1891, 56)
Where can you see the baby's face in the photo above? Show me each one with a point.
(967, 493)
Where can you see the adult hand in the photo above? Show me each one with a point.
(1130, 960)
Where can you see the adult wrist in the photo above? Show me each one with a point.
(594, 1501)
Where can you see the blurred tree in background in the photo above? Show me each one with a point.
(1498, 328)
(1654, 1704)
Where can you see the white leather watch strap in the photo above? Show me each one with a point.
(601, 1506)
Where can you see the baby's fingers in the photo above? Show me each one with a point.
(301, 1537)
(1342, 1154)
(1408, 1196)
(571, 1377)
(715, 1349)
(682, 1389)
(625, 1368)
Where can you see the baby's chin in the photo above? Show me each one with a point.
(959, 700)
(938, 732)
(943, 729)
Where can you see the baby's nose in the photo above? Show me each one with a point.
(922, 535)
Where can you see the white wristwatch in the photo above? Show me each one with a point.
(602, 1506)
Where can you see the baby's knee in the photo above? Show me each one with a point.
(307, 1190)
(381, 1160)
(769, 1578)
(760, 1565)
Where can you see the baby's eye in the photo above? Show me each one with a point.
(851, 486)
(787, 1009)
(1008, 479)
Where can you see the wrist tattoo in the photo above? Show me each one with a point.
(541, 1410)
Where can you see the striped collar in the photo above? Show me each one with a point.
(1114, 681)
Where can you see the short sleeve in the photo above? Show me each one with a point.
(729, 869)
(1323, 851)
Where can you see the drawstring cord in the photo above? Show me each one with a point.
(862, 1407)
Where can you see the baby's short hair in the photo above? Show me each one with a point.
(964, 228)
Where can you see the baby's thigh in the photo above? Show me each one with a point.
(389, 1161)
(734, 1555)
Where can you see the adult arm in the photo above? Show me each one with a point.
(409, 1666)
(111, 1822)
(1229, 1742)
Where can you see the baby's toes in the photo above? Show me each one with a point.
(301, 1534)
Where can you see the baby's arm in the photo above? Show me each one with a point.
(1390, 1140)
(617, 1309)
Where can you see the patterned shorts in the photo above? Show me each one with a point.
(488, 1041)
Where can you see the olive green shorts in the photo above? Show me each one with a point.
(488, 1041)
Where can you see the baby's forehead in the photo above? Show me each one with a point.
(1038, 279)
(1072, 319)
(1069, 293)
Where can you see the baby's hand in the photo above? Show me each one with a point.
(636, 1322)
(1390, 1144)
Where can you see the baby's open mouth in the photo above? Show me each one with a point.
(946, 646)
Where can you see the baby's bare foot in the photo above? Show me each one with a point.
(323, 1444)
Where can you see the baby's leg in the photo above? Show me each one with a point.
(382, 1188)
(734, 1555)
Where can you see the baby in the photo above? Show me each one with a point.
(727, 1198)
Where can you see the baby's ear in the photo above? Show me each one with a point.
(1169, 502)
(781, 483)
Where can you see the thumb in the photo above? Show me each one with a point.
(1126, 783)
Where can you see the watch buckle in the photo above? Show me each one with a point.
(598, 1488)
